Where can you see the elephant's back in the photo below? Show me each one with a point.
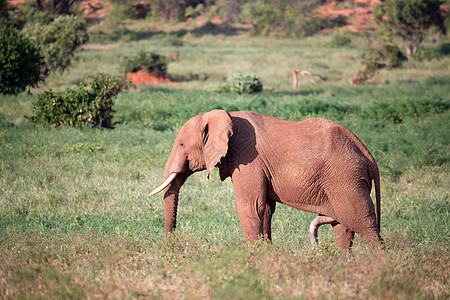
(285, 134)
(338, 135)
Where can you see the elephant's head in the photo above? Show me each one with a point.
(200, 145)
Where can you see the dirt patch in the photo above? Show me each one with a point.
(142, 77)
(359, 13)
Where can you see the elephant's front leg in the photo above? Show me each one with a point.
(254, 212)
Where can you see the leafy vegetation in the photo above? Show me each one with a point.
(58, 40)
(242, 84)
(20, 62)
(411, 19)
(84, 105)
(121, 10)
(341, 40)
(4, 12)
(380, 55)
(58, 7)
(151, 62)
(437, 52)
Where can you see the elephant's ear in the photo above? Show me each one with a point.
(217, 130)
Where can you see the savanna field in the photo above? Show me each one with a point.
(76, 220)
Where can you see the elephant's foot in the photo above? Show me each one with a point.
(344, 237)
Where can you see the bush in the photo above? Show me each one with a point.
(20, 62)
(438, 52)
(380, 55)
(86, 105)
(58, 40)
(121, 10)
(153, 63)
(341, 40)
(242, 84)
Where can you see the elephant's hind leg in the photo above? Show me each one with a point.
(355, 213)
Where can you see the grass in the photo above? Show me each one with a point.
(76, 220)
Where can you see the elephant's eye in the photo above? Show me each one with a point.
(181, 145)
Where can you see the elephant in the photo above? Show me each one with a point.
(315, 165)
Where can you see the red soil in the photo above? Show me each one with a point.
(142, 77)
(359, 16)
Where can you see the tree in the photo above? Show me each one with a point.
(58, 40)
(20, 62)
(173, 9)
(4, 14)
(411, 19)
(57, 6)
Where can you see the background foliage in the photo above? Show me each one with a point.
(20, 62)
(58, 40)
(411, 19)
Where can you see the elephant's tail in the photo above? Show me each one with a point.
(376, 179)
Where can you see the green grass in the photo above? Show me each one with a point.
(76, 220)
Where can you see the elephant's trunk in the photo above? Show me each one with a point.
(175, 174)
(171, 202)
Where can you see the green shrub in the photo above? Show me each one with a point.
(341, 40)
(153, 63)
(380, 55)
(444, 48)
(121, 10)
(261, 16)
(242, 84)
(58, 40)
(438, 52)
(86, 105)
(20, 62)
(194, 11)
(385, 54)
(308, 26)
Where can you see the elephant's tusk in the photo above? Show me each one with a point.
(164, 185)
